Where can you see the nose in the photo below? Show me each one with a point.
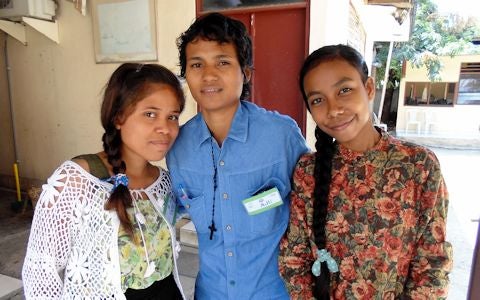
(334, 109)
(209, 73)
(162, 126)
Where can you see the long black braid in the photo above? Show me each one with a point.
(325, 147)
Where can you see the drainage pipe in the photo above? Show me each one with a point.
(12, 115)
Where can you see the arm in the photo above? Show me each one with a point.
(50, 237)
(296, 257)
(430, 267)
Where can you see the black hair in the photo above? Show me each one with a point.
(325, 150)
(222, 29)
(129, 83)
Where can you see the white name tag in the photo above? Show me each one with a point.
(263, 201)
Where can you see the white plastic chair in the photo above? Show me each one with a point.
(378, 123)
(411, 116)
(429, 122)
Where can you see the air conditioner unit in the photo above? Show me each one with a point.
(14, 10)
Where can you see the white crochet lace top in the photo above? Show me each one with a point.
(72, 250)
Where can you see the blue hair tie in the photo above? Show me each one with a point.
(324, 256)
(119, 179)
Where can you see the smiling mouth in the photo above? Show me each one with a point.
(341, 125)
(211, 90)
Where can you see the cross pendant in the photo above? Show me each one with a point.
(212, 229)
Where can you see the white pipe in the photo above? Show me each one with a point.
(385, 81)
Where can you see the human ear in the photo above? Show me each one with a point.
(370, 88)
(247, 74)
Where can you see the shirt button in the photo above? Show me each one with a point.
(187, 206)
(229, 253)
(228, 227)
(225, 196)
(222, 163)
(232, 282)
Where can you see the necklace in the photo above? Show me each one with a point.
(212, 226)
(142, 221)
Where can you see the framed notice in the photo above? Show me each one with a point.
(124, 30)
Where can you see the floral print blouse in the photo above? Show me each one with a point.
(133, 263)
(386, 217)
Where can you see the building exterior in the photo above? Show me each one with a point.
(447, 108)
(55, 85)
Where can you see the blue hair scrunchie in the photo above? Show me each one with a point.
(119, 179)
(324, 256)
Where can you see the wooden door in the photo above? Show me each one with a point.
(280, 44)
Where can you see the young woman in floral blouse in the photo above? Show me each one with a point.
(368, 211)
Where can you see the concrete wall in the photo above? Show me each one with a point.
(450, 121)
(57, 88)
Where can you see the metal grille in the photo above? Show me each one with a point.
(6, 4)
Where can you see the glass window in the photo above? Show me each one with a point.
(211, 5)
(469, 84)
(429, 93)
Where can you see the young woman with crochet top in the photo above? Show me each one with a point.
(368, 211)
(103, 226)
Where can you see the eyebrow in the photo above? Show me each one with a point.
(336, 84)
(220, 56)
(342, 81)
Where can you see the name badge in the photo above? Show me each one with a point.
(263, 201)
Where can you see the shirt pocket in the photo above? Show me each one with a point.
(274, 218)
(195, 207)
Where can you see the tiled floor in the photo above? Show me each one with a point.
(14, 232)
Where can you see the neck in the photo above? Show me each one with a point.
(219, 122)
(139, 171)
(367, 139)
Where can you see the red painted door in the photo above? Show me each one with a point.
(279, 36)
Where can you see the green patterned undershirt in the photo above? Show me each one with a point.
(133, 262)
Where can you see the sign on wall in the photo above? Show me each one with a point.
(124, 30)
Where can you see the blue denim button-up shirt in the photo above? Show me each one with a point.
(260, 151)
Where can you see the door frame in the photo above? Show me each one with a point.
(262, 8)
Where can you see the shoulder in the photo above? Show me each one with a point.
(306, 162)
(416, 153)
(422, 158)
(268, 117)
(193, 123)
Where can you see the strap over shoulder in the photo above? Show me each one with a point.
(96, 165)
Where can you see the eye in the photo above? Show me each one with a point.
(224, 63)
(344, 90)
(150, 114)
(316, 101)
(195, 65)
(173, 117)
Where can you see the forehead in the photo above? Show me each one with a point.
(330, 71)
(202, 48)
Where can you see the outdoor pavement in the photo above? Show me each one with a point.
(459, 166)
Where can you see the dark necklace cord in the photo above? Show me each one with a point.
(212, 226)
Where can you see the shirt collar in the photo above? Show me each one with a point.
(381, 146)
(238, 129)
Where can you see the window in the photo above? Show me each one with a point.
(469, 84)
(430, 93)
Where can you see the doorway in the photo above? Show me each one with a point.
(279, 32)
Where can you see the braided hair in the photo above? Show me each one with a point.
(129, 84)
(325, 150)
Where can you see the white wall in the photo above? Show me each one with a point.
(57, 88)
